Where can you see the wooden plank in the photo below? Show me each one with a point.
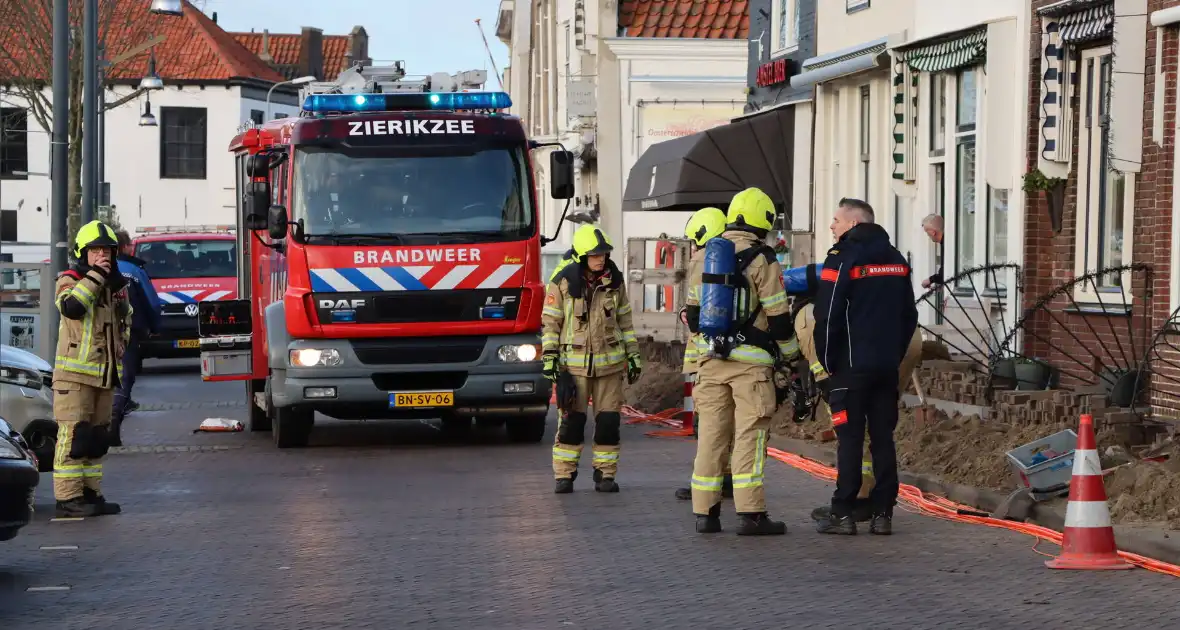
(663, 277)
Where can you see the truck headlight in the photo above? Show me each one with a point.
(20, 377)
(518, 354)
(315, 357)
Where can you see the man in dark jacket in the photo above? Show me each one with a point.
(864, 320)
(145, 320)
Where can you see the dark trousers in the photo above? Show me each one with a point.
(123, 393)
(858, 401)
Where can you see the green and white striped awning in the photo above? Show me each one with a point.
(964, 50)
(1088, 24)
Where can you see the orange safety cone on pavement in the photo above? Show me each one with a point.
(1088, 543)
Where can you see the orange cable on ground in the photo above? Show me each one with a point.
(929, 505)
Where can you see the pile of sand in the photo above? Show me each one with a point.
(659, 387)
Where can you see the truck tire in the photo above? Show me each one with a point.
(526, 429)
(291, 426)
(259, 419)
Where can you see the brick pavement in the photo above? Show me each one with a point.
(388, 526)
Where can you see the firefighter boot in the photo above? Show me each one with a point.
(566, 486)
(604, 484)
(710, 523)
(684, 494)
(100, 503)
(726, 487)
(759, 524)
(75, 508)
(116, 434)
(881, 525)
(833, 524)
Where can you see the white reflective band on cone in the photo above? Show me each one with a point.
(1087, 514)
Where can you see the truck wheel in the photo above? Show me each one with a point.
(259, 420)
(526, 429)
(291, 426)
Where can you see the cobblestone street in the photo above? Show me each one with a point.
(388, 525)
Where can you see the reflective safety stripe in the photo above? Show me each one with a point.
(866, 468)
(629, 337)
(78, 292)
(789, 348)
(694, 293)
(549, 341)
(92, 471)
(606, 456)
(744, 353)
(624, 309)
(817, 368)
(67, 472)
(706, 484)
(747, 481)
(760, 453)
(580, 359)
(551, 311)
(777, 299)
(565, 455)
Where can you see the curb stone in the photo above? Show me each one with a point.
(1153, 543)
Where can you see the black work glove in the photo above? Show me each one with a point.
(634, 368)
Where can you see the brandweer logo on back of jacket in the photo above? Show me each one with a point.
(435, 255)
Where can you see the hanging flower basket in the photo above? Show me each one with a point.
(1053, 189)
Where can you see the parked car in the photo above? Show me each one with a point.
(18, 481)
(26, 401)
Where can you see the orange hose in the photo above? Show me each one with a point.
(929, 505)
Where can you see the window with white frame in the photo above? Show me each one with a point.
(865, 115)
(1105, 205)
(966, 115)
(937, 104)
(784, 26)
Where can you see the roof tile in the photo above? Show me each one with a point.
(194, 48)
(284, 49)
(708, 19)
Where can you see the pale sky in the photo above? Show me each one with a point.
(429, 35)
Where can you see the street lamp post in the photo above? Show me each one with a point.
(300, 81)
(89, 109)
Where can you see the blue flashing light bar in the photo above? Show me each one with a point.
(323, 103)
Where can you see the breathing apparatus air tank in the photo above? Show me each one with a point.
(717, 298)
(797, 281)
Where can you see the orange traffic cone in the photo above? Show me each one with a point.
(1088, 543)
(688, 408)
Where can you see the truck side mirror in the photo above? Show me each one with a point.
(561, 175)
(257, 197)
(277, 222)
(258, 165)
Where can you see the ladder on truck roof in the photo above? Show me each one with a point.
(362, 79)
(186, 229)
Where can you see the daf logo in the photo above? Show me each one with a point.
(342, 304)
(503, 300)
(191, 310)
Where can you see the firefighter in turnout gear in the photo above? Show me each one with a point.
(95, 328)
(587, 332)
(705, 224)
(735, 393)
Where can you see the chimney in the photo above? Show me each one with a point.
(311, 53)
(214, 17)
(358, 47)
(265, 54)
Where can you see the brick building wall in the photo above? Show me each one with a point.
(1070, 341)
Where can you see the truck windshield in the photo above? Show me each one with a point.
(413, 195)
(197, 258)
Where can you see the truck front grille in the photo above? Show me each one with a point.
(412, 351)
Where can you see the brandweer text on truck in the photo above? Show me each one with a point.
(391, 261)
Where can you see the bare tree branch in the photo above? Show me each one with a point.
(130, 97)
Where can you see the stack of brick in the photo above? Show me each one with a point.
(666, 352)
(963, 382)
(1023, 407)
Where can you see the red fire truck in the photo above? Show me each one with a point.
(390, 260)
(188, 265)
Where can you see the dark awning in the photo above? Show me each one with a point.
(710, 167)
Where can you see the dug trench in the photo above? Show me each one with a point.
(961, 449)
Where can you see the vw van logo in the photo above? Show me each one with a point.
(191, 310)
